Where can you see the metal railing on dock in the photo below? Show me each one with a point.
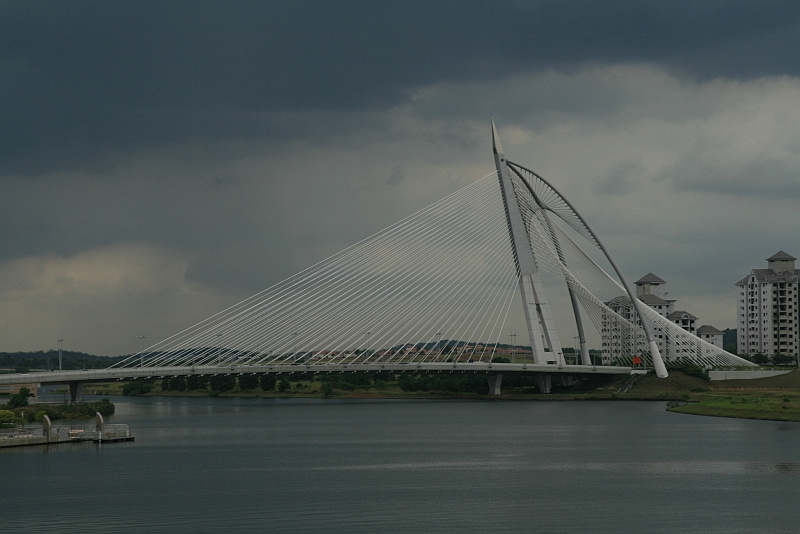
(49, 433)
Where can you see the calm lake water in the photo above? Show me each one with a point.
(238, 465)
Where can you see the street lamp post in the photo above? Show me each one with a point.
(513, 344)
(60, 344)
(141, 349)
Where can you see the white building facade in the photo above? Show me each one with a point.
(651, 290)
(710, 334)
(768, 308)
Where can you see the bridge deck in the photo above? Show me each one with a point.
(108, 375)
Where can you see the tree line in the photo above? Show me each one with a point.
(328, 385)
(23, 362)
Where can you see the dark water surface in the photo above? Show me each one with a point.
(246, 465)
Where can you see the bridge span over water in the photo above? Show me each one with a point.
(545, 373)
(443, 290)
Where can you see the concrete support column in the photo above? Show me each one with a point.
(47, 426)
(76, 391)
(494, 384)
(545, 383)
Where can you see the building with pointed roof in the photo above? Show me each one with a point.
(768, 309)
(651, 290)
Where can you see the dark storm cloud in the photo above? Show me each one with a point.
(83, 81)
(766, 176)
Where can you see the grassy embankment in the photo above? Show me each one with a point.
(776, 398)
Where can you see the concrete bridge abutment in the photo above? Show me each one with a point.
(76, 391)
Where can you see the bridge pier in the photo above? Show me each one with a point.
(76, 391)
(494, 384)
(544, 382)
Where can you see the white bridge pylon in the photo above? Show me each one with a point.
(443, 286)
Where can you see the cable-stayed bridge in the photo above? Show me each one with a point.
(438, 292)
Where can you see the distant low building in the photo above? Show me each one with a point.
(711, 334)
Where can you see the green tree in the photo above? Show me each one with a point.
(729, 342)
(327, 388)
(136, 388)
(20, 399)
(248, 381)
(174, 383)
(267, 381)
(283, 385)
(178, 383)
(7, 418)
(692, 369)
(783, 359)
(222, 382)
(407, 382)
(196, 382)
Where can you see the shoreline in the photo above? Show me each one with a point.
(773, 398)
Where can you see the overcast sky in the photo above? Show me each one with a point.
(160, 161)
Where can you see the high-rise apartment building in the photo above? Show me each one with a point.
(768, 313)
(651, 290)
